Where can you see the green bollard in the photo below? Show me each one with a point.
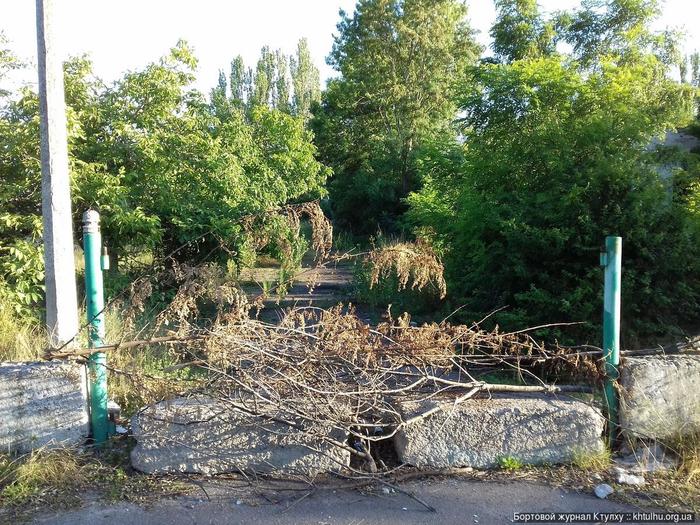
(94, 293)
(611, 260)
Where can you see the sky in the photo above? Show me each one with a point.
(128, 34)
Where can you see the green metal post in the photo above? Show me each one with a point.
(92, 247)
(611, 260)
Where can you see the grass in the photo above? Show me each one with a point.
(142, 375)
(37, 475)
(592, 461)
(60, 479)
(20, 340)
(688, 450)
(671, 490)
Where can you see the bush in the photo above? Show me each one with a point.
(553, 160)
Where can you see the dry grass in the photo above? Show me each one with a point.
(591, 461)
(688, 449)
(670, 490)
(36, 476)
(62, 478)
(19, 340)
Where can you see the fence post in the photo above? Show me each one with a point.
(94, 293)
(611, 260)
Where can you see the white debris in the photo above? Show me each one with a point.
(630, 479)
(603, 490)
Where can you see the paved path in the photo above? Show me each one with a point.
(457, 501)
(320, 287)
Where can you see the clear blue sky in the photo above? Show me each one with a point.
(127, 34)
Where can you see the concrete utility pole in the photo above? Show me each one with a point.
(61, 296)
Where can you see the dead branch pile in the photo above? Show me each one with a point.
(326, 369)
(321, 367)
(326, 372)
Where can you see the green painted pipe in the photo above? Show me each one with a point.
(92, 247)
(611, 260)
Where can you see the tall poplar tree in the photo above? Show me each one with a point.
(398, 60)
(240, 81)
(219, 97)
(281, 101)
(264, 88)
(305, 79)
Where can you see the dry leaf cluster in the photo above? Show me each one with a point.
(414, 262)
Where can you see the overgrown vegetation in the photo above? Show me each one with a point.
(596, 462)
(552, 157)
(20, 339)
(510, 169)
(397, 62)
(497, 178)
(164, 166)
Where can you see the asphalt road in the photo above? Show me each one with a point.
(457, 501)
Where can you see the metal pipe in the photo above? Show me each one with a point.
(611, 260)
(94, 293)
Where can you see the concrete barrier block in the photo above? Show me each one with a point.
(481, 432)
(201, 435)
(660, 396)
(42, 404)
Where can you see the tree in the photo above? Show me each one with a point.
(305, 80)
(520, 31)
(220, 101)
(554, 157)
(270, 84)
(8, 62)
(398, 60)
(618, 30)
(240, 81)
(282, 90)
(263, 89)
(165, 168)
(683, 70)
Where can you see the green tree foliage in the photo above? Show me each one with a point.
(288, 84)
(554, 156)
(220, 101)
(398, 60)
(695, 79)
(8, 62)
(282, 88)
(520, 31)
(263, 89)
(241, 79)
(164, 166)
(617, 29)
(305, 80)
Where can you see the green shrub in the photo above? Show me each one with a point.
(554, 159)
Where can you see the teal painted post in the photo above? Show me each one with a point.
(92, 247)
(611, 260)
